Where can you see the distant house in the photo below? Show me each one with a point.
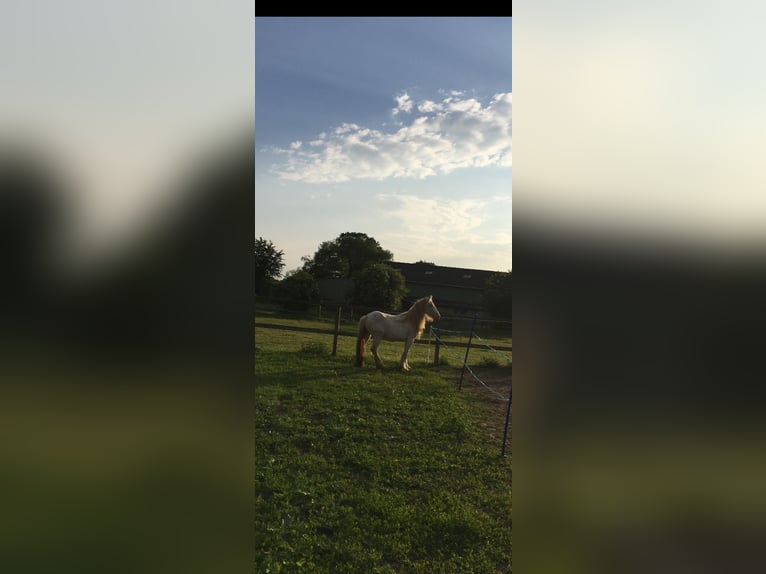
(456, 289)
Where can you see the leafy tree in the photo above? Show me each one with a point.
(269, 263)
(380, 287)
(498, 296)
(346, 256)
(298, 290)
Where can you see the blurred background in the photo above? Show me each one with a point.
(639, 275)
(126, 188)
(126, 337)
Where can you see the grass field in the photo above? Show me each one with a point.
(359, 470)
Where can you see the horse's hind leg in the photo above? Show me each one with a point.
(375, 345)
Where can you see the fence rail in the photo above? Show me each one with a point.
(437, 343)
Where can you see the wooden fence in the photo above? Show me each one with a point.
(337, 332)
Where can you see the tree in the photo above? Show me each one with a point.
(379, 287)
(298, 290)
(345, 256)
(498, 296)
(269, 263)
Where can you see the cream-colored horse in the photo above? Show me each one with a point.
(406, 327)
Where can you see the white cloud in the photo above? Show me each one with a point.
(431, 215)
(454, 133)
(429, 106)
(403, 104)
(470, 105)
(458, 231)
(345, 128)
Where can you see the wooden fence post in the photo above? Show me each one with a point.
(336, 332)
(436, 353)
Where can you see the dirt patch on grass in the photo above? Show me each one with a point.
(486, 405)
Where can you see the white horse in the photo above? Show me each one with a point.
(406, 327)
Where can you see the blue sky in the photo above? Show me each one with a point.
(396, 127)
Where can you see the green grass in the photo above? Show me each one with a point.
(359, 470)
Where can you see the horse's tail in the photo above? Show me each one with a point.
(361, 342)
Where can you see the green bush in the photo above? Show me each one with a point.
(498, 295)
(297, 291)
(379, 287)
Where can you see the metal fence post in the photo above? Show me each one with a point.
(468, 348)
(507, 420)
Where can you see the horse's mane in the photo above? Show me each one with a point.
(417, 315)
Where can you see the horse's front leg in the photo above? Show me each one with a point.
(375, 345)
(403, 364)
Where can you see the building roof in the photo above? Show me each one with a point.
(426, 274)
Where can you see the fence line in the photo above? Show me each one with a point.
(478, 379)
(474, 375)
(448, 331)
(438, 343)
(325, 309)
(343, 333)
(506, 357)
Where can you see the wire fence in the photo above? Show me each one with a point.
(435, 333)
(491, 348)
(266, 306)
(339, 322)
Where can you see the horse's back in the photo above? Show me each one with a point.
(378, 315)
(377, 318)
(390, 327)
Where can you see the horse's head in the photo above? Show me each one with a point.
(431, 309)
